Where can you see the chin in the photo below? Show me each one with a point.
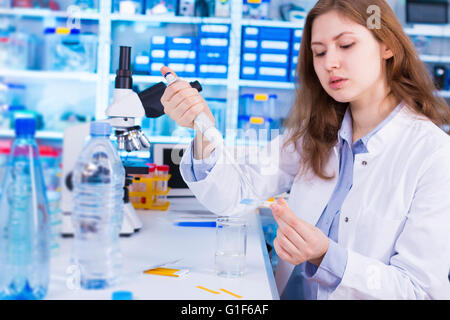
(340, 97)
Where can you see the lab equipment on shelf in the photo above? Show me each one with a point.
(17, 50)
(98, 179)
(161, 7)
(69, 50)
(256, 9)
(129, 7)
(24, 221)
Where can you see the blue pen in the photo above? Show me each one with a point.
(196, 224)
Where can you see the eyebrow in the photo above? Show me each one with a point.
(339, 35)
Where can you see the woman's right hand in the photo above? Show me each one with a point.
(183, 103)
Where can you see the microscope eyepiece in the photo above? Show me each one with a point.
(123, 74)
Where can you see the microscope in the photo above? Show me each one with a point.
(127, 106)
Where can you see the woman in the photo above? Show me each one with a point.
(367, 166)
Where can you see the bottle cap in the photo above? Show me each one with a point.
(122, 295)
(162, 167)
(100, 129)
(25, 126)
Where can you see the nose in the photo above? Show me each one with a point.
(332, 60)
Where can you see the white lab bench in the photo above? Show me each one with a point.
(159, 241)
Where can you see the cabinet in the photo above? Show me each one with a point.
(87, 94)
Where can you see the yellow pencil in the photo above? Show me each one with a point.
(233, 294)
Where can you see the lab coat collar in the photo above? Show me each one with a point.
(384, 135)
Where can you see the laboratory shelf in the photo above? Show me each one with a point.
(44, 13)
(169, 19)
(434, 58)
(47, 135)
(266, 84)
(273, 23)
(49, 75)
(428, 30)
(444, 93)
(156, 79)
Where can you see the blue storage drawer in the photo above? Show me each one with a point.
(183, 69)
(274, 60)
(272, 74)
(271, 33)
(184, 56)
(214, 44)
(250, 33)
(297, 35)
(158, 55)
(274, 46)
(214, 31)
(141, 64)
(155, 67)
(249, 59)
(250, 45)
(213, 57)
(184, 43)
(213, 71)
(158, 42)
(248, 72)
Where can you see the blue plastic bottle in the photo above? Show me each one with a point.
(98, 180)
(24, 220)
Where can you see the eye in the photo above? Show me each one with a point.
(320, 54)
(348, 45)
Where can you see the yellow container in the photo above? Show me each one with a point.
(146, 197)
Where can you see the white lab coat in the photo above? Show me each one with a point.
(394, 222)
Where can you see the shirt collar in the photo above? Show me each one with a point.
(346, 131)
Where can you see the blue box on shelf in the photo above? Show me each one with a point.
(250, 32)
(158, 55)
(272, 74)
(214, 44)
(255, 9)
(259, 127)
(155, 67)
(214, 31)
(274, 60)
(213, 57)
(274, 46)
(141, 64)
(259, 104)
(249, 59)
(183, 69)
(248, 72)
(297, 35)
(213, 71)
(158, 42)
(250, 45)
(184, 43)
(183, 56)
(272, 33)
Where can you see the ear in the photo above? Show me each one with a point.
(386, 53)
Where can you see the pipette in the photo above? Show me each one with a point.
(210, 132)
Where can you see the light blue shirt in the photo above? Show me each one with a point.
(308, 281)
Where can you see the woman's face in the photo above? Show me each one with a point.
(348, 60)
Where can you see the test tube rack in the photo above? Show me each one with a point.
(147, 199)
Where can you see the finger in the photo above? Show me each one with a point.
(281, 252)
(281, 211)
(164, 70)
(292, 235)
(173, 89)
(287, 245)
(189, 116)
(186, 105)
(183, 94)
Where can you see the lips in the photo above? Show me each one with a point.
(337, 82)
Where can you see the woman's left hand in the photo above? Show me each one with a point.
(297, 241)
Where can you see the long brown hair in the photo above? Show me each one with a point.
(316, 117)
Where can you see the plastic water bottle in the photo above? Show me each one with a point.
(98, 180)
(24, 220)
